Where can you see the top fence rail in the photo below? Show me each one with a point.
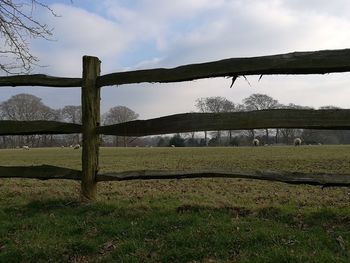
(39, 80)
(315, 62)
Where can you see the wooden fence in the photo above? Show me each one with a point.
(319, 62)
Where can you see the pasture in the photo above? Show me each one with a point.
(192, 220)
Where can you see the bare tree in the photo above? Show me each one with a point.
(72, 114)
(311, 136)
(215, 105)
(27, 107)
(119, 114)
(4, 138)
(260, 102)
(17, 25)
(288, 134)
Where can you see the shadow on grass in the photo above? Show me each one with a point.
(102, 208)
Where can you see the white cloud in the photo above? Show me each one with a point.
(183, 31)
(78, 33)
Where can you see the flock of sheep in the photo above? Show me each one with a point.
(297, 142)
(256, 142)
(75, 147)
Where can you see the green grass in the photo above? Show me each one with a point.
(199, 220)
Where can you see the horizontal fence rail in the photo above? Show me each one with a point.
(46, 172)
(39, 80)
(42, 172)
(277, 118)
(280, 176)
(38, 127)
(317, 62)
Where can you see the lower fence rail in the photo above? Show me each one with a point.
(42, 172)
(45, 172)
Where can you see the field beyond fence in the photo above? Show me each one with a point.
(194, 220)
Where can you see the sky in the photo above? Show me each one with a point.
(139, 34)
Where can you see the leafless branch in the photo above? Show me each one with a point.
(17, 26)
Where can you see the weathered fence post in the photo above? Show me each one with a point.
(90, 100)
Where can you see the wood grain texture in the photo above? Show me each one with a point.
(278, 118)
(37, 127)
(90, 100)
(286, 177)
(42, 172)
(317, 62)
(39, 80)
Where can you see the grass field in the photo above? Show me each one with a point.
(198, 220)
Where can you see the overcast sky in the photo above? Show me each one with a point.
(139, 34)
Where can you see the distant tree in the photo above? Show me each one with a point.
(288, 134)
(192, 142)
(329, 107)
(177, 141)
(245, 133)
(72, 114)
(4, 138)
(234, 142)
(17, 26)
(214, 142)
(119, 114)
(202, 143)
(214, 105)
(27, 107)
(163, 141)
(312, 136)
(260, 102)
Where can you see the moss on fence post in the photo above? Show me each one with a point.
(90, 99)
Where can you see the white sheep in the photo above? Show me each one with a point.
(77, 146)
(256, 142)
(25, 147)
(297, 142)
(172, 145)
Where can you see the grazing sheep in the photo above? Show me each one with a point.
(77, 146)
(297, 142)
(25, 147)
(256, 142)
(173, 145)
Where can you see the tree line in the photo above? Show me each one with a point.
(27, 107)
(267, 136)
